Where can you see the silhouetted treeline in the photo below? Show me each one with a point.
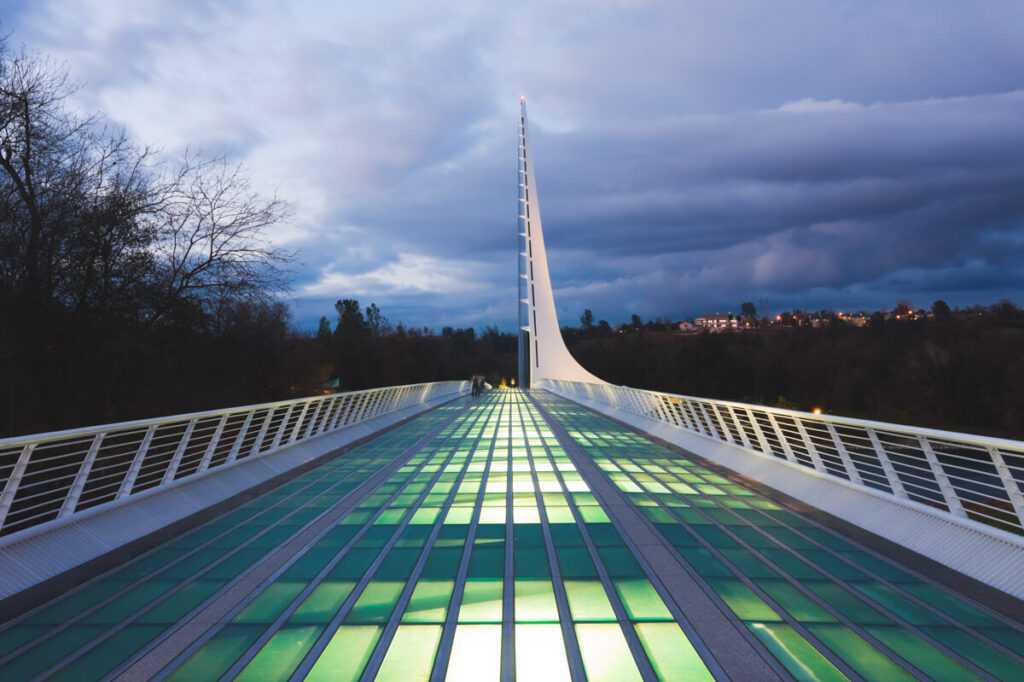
(961, 371)
(364, 351)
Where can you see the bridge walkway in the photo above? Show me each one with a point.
(511, 536)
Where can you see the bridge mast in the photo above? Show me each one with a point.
(542, 353)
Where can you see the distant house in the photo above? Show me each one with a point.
(718, 321)
(687, 327)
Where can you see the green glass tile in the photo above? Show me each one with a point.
(657, 515)
(834, 565)
(619, 561)
(531, 562)
(376, 602)
(801, 659)
(346, 655)
(792, 565)
(398, 564)
(270, 603)
(429, 601)
(109, 654)
(443, 562)
(898, 604)
(63, 609)
(214, 658)
(32, 662)
(920, 654)
(487, 562)
(354, 564)
(677, 535)
(604, 534)
(1012, 639)
(606, 656)
(978, 652)
(19, 635)
(476, 654)
(310, 563)
(528, 536)
(857, 653)
(671, 654)
(715, 536)
(337, 537)
(323, 602)
(742, 600)
(236, 564)
(575, 562)
(748, 564)
(704, 562)
(724, 516)
(641, 600)
(279, 657)
(481, 602)
(130, 602)
(846, 603)
(192, 565)
(452, 535)
(588, 601)
(954, 607)
(802, 608)
(376, 536)
(535, 602)
(593, 515)
(755, 538)
(172, 609)
(566, 535)
(540, 653)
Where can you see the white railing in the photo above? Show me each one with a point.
(973, 477)
(49, 476)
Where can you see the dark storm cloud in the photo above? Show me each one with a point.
(689, 155)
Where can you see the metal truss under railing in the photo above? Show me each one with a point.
(973, 477)
(50, 476)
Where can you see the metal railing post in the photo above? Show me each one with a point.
(204, 464)
(172, 468)
(809, 445)
(133, 471)
(243, 431)
(298, 422)
(1013, 491)
(13, 481)
(890, 472)
(720, 424)
(781, 437)
(762, 439)
(851, 467)
(949, 493)
(75, 492)
(264, 427)
(739, 428)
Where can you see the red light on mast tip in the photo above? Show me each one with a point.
(522, 98)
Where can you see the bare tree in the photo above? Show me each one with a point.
(210, 236)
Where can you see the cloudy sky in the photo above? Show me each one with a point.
(690, 155)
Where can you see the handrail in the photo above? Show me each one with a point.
(973, 477)
(54, 475)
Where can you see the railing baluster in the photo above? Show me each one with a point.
(949, 493)
(890, 472)
(281, 428)
(75, 492)
(721, 425)
(1013, 490)
(264, 427)
(316, 415)
(712, 431)
(739, 427)
(766, 449)
(133, 471)
(851, 467)
(172, 468)
(809, 445)
(243, 431)
(13, 481)
(298, 422)
(781, 437)
(204, 464)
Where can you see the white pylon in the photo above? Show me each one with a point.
(542, 353)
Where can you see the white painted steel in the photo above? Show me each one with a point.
(59, 474)
(973, 477)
